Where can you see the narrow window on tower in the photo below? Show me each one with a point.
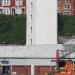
(31, 16)
(31, 19)
(31, 5)
(31, 41)
(31, 29)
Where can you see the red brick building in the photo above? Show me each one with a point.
(66, 7)
(26, 70)
(12, 7)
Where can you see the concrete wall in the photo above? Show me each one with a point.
(46, 22)
(42, 17)
(28, 55)
(30, 51)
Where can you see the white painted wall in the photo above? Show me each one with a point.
(44, 51)
(40, 62)
(32, 54)
(44, 22)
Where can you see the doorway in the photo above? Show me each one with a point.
(6, 70)
(13, 11)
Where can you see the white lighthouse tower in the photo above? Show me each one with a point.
(41, 22)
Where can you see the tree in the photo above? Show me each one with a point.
(12, 29)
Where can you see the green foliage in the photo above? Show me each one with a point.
(66, 25)
(60, 25)
(12, 29)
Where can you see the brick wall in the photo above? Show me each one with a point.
(22, 70)
(42, 70)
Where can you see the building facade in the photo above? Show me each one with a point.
(28, 60)
(66, 7)
(11, 7)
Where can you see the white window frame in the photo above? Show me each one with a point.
(6, 11)
(66, 0)
(18, 2)
(6, 2)
(67, 13)
(66, 6)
